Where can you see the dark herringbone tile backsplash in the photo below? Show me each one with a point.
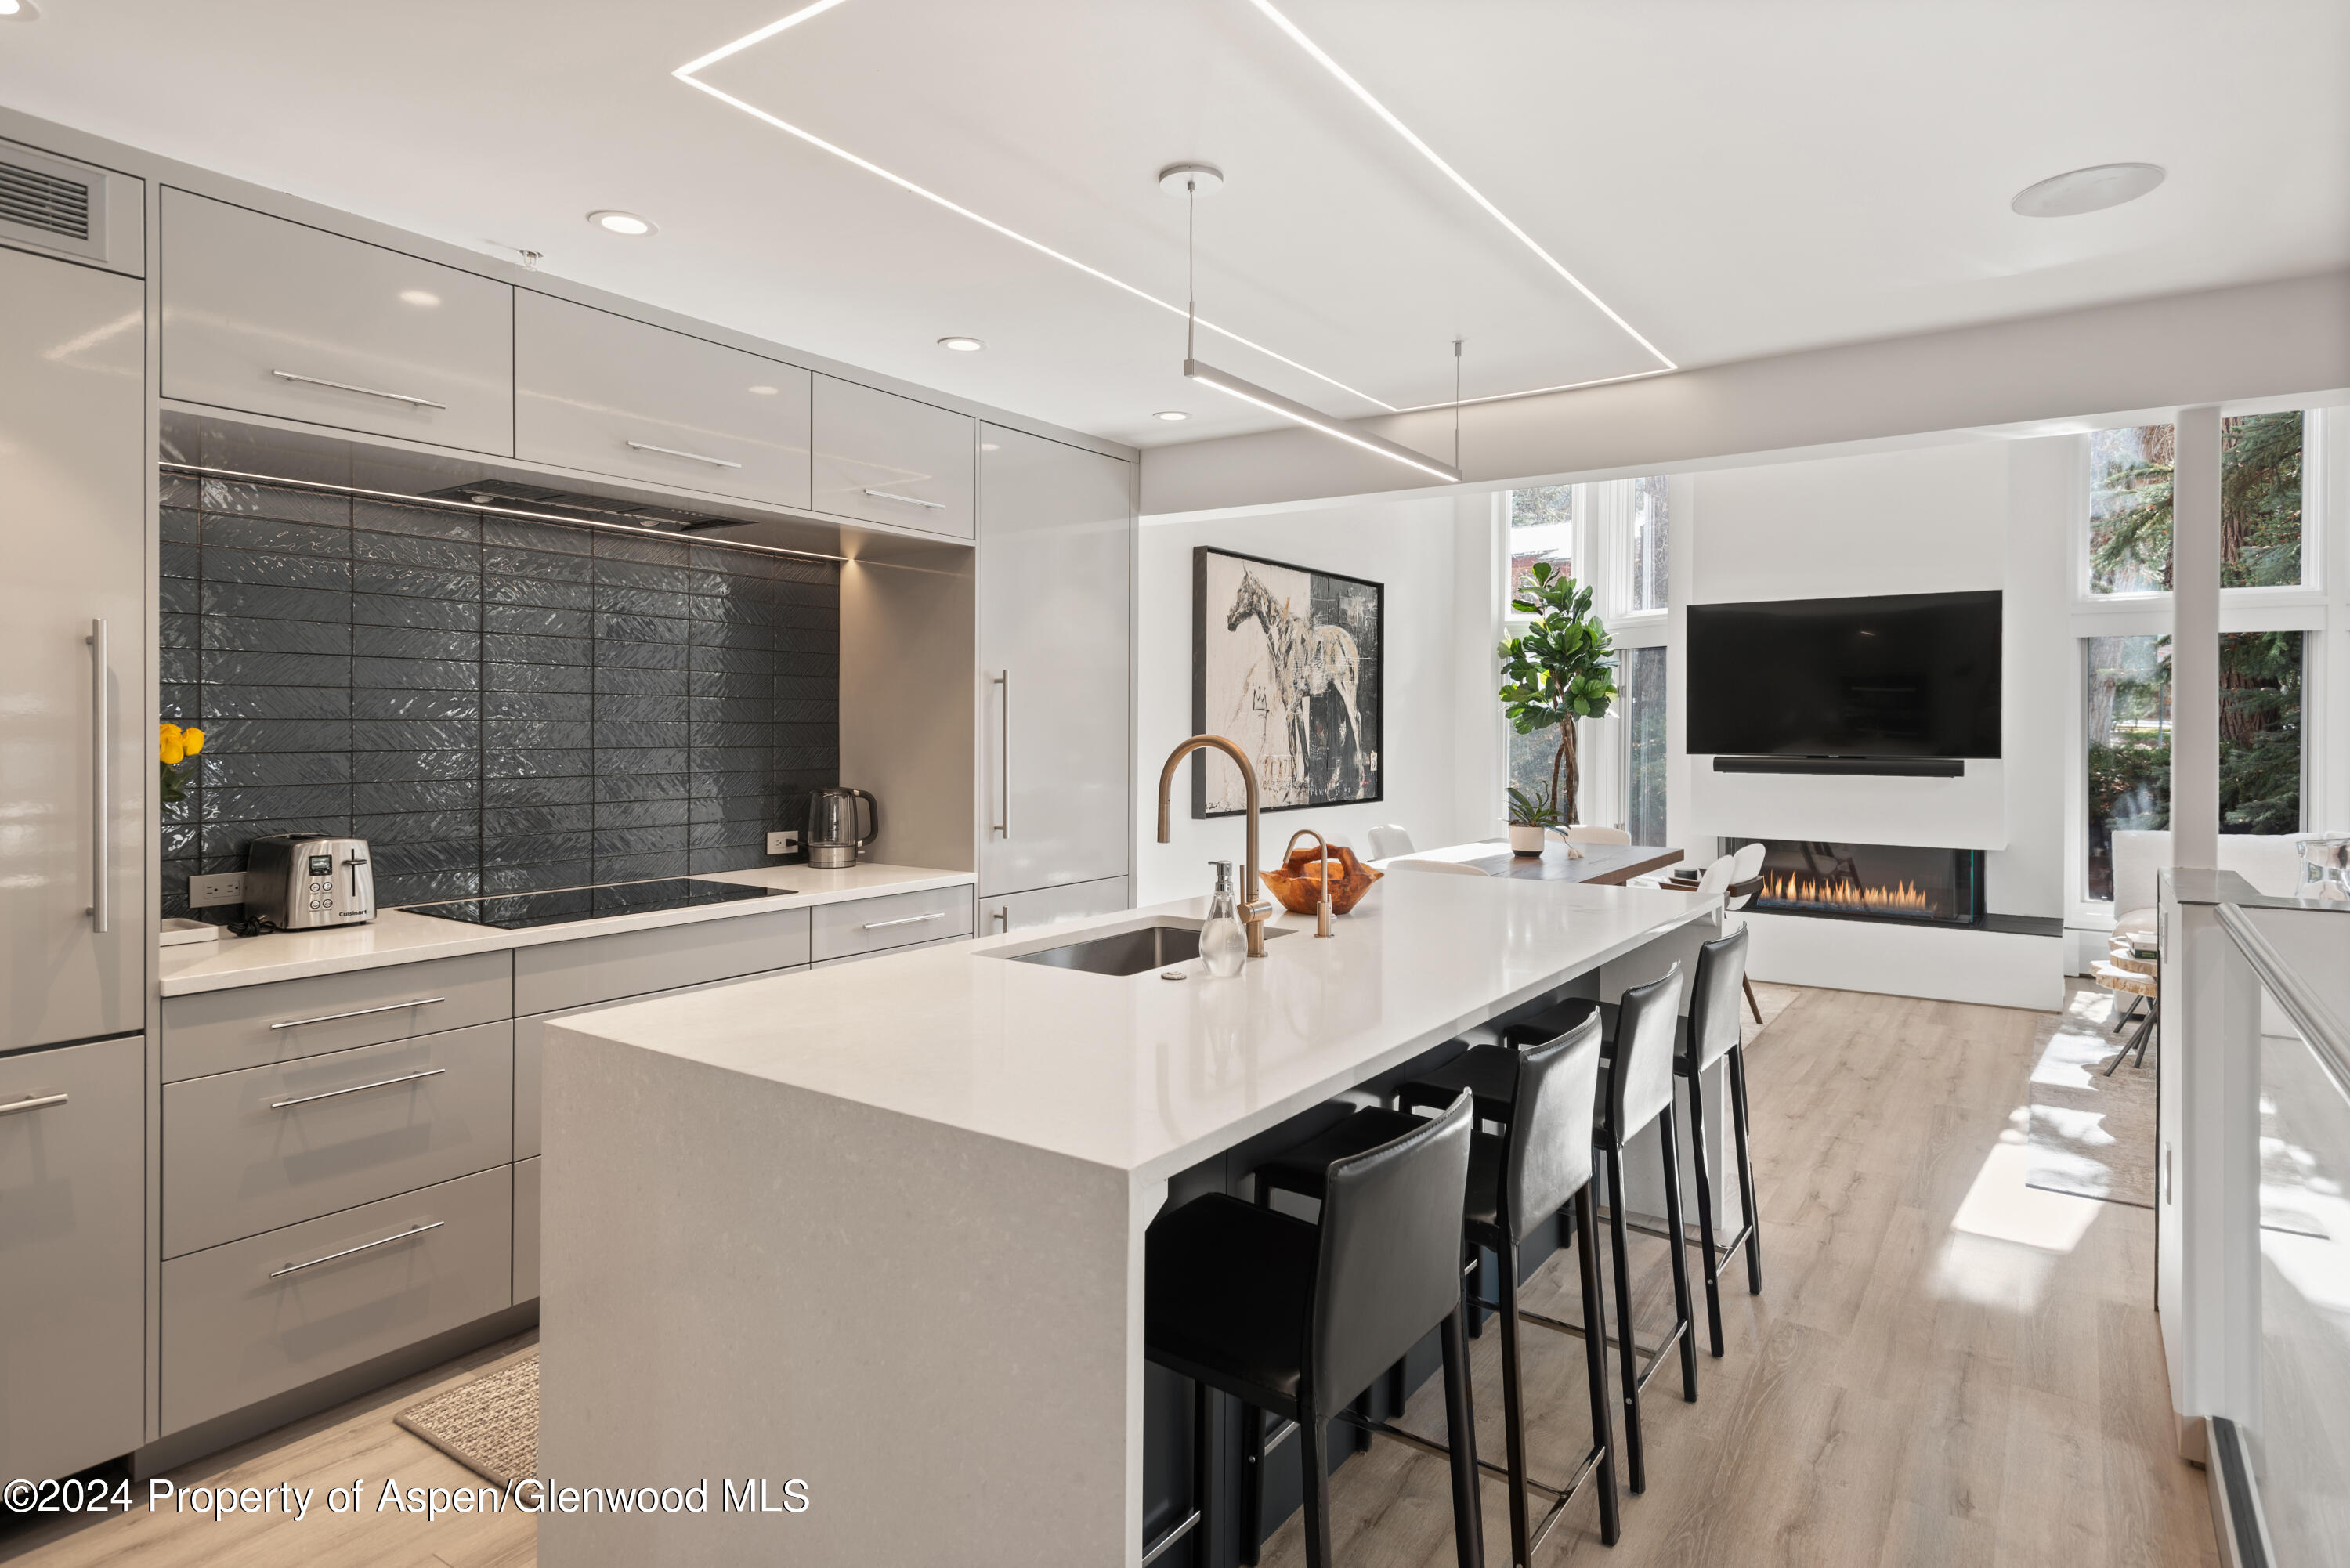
(495, 705)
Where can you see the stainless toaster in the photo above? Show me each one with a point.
(298, 884)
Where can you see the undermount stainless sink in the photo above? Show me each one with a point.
(1134, 952)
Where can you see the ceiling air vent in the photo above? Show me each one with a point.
(52, 203)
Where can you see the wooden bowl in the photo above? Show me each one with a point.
(1298, 883)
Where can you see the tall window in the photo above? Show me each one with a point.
(1642, 682)
(1651, 521)
(1542, 528)
(2130, 745)
(2259, 504)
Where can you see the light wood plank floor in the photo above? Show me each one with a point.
(1944, 1367)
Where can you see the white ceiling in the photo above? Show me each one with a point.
(1733, 179)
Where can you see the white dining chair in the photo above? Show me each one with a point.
(1586, 833)
(1452, 868)
(1744, 866)
(1389, 839)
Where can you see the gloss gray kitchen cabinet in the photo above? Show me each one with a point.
(1008, 912)
(887, 459)
(599, 392)
(526, 1230)
(251, 1151)
(663, 957)
(77, 744)
(72, 1291)
(895, 920)
(247, 1026)
(1055, 626)
(271, 316)
(276, 1310)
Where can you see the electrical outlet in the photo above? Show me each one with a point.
(208, 892)
(787, 842)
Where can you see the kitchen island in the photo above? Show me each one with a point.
(879, 1230)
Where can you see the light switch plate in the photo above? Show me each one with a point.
(209, 892)
(787, 842)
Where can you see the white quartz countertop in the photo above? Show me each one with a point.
(1138, 1072)
(397, 936)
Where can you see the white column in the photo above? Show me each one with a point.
(2195, 641)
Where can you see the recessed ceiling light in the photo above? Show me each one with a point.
(961, 345)
(763, 392)
(618, 223)
(18, 11)
(2092, 190)
(991, 446)
(422, 298)
(1173, 416)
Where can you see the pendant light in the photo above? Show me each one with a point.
(1195, 179)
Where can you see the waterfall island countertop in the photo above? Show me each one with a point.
(781, 1215)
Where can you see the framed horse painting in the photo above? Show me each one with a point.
(1286, 663)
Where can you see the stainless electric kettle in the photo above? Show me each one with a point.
(832, 838)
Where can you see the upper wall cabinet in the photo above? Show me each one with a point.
(600, 392)
(276, 318)
(886, 459)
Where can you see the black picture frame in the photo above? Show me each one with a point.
(1320, 685)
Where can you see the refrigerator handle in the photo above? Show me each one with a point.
(101, 912)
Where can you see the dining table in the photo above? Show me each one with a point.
(1602, 865)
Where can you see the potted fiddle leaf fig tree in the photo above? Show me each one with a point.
(1561, 668)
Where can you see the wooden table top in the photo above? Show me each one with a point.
(1607, 864)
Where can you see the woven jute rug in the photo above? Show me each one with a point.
(490, 1426)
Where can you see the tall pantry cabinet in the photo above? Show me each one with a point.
(1055, 556)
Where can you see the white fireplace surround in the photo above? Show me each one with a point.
(1965, 813)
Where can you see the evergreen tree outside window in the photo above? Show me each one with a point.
(1643, 682)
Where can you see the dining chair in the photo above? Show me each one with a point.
(1588, 833)
(1745, 882)
(1389, 839)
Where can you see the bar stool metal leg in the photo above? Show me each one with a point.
(1595, 1359)
(1669, 1133)
(1251, 1484)
(1514, 1415)
(1746, 1203)
(1637, 1476)
(1460, 1436)
(1313, 1476)
(1696, 1082)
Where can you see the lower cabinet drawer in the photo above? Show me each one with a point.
(526, 1230)
(258, 1317)
(221, 1031)
(898, 920)
(248, 1152)
(666, 957)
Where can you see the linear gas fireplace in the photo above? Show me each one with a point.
(1896, 882)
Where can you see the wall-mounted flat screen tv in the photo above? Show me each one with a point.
(1900, 675)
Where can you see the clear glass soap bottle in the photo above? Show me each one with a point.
(1223, 943)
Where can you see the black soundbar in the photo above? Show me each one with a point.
(1891, 767)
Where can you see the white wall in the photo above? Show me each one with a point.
(1441, 741)
(1986, 513)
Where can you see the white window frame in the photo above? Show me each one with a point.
(2318, 608)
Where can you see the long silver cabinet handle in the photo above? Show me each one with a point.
(362, 1247)
(355, 1088)
(688, 456)
(101, 784)
(909, 921)
(362, 1013)
(1004, 753)
(408, 398)
(907, 500)
(37, 1102)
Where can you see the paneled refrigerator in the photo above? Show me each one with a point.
(75, 763)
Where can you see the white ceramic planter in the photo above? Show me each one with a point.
(1525, 839)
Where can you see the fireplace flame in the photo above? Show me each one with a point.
(1843, 895)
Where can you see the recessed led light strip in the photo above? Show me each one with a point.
(1425, 150)
(685, 74)
(635, 530)
(1315, 418)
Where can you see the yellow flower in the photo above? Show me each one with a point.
(174, 752)
(191, 741)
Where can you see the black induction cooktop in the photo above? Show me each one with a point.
(517, 912)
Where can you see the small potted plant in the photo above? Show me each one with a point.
(1532, 816)
(175, 746)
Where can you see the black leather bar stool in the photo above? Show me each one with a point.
(1297, 1318)
(1714, 1025)
(1516, 1182)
